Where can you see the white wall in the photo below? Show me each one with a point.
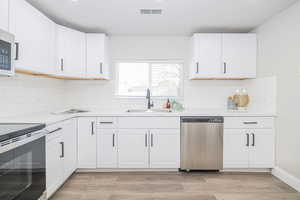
(197, 94)
(279, 55)
(21, 95)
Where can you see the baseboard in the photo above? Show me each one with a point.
(246, 170)
(287, 178)
(127, 170)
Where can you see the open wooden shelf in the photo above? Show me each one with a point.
(54, 76)
(235, 79)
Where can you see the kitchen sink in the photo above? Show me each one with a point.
(71, 111)
(149, 111)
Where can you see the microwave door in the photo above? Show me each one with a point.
(7, 48)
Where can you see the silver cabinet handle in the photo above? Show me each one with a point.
(17, 50)
(151, 140)
(253, 139)
(93, 131)
(225, 68)
(250, 123)
(106, 122)
(197, 68)
(113, 143)
(62, 149)
(62, 64)
(55, 130)
(146, 140)
(248, 140)
(101, 70)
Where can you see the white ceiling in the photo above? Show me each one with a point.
(180, 17)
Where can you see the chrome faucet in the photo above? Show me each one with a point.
(148, 97)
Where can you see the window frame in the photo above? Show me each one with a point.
(181, 86)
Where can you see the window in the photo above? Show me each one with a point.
(164, 79)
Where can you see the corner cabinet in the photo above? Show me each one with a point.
(34, 36)
(249, 142)
(71, 52)
(223, 56)
(45, 48)
(97, 56)
(4, 14)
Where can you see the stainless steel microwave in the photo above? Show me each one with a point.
(6, 53)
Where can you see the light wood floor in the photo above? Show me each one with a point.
(175, 186)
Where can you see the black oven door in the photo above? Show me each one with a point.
(22, 171)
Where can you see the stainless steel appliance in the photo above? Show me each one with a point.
(201, 143)
(22, 161)
(6, 52)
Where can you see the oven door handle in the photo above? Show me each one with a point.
(19, 141)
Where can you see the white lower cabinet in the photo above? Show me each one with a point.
(261, 152)
(164, 148)
(61, 154)
(133, 148)
(236, 150)
(70, 146)
(124, 143)
(249, 148)
(54, 165)
(107, 148)
(87, 142)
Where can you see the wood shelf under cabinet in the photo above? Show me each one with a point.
(54, 76)
(220, 79)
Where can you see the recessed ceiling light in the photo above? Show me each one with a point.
(159, 1)
(74, 0)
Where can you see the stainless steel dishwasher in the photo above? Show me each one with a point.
(201, 143)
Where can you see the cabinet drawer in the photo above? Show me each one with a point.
(54, 130)
(107, 122)
(149, 122)
(248, 122)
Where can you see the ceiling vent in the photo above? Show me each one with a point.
(151, 11)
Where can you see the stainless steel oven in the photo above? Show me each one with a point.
(22, 167)
(6, 53)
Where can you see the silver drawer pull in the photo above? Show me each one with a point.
(106, 122)
(250, 122)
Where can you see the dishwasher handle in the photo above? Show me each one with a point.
(213, 119)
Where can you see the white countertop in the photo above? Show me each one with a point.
(49, 118)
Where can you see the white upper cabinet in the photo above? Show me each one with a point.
(4, 5)
(34, 34)
(71, 52)
(223, 56)
(97, 56)
(239, 55)
(206, 55)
